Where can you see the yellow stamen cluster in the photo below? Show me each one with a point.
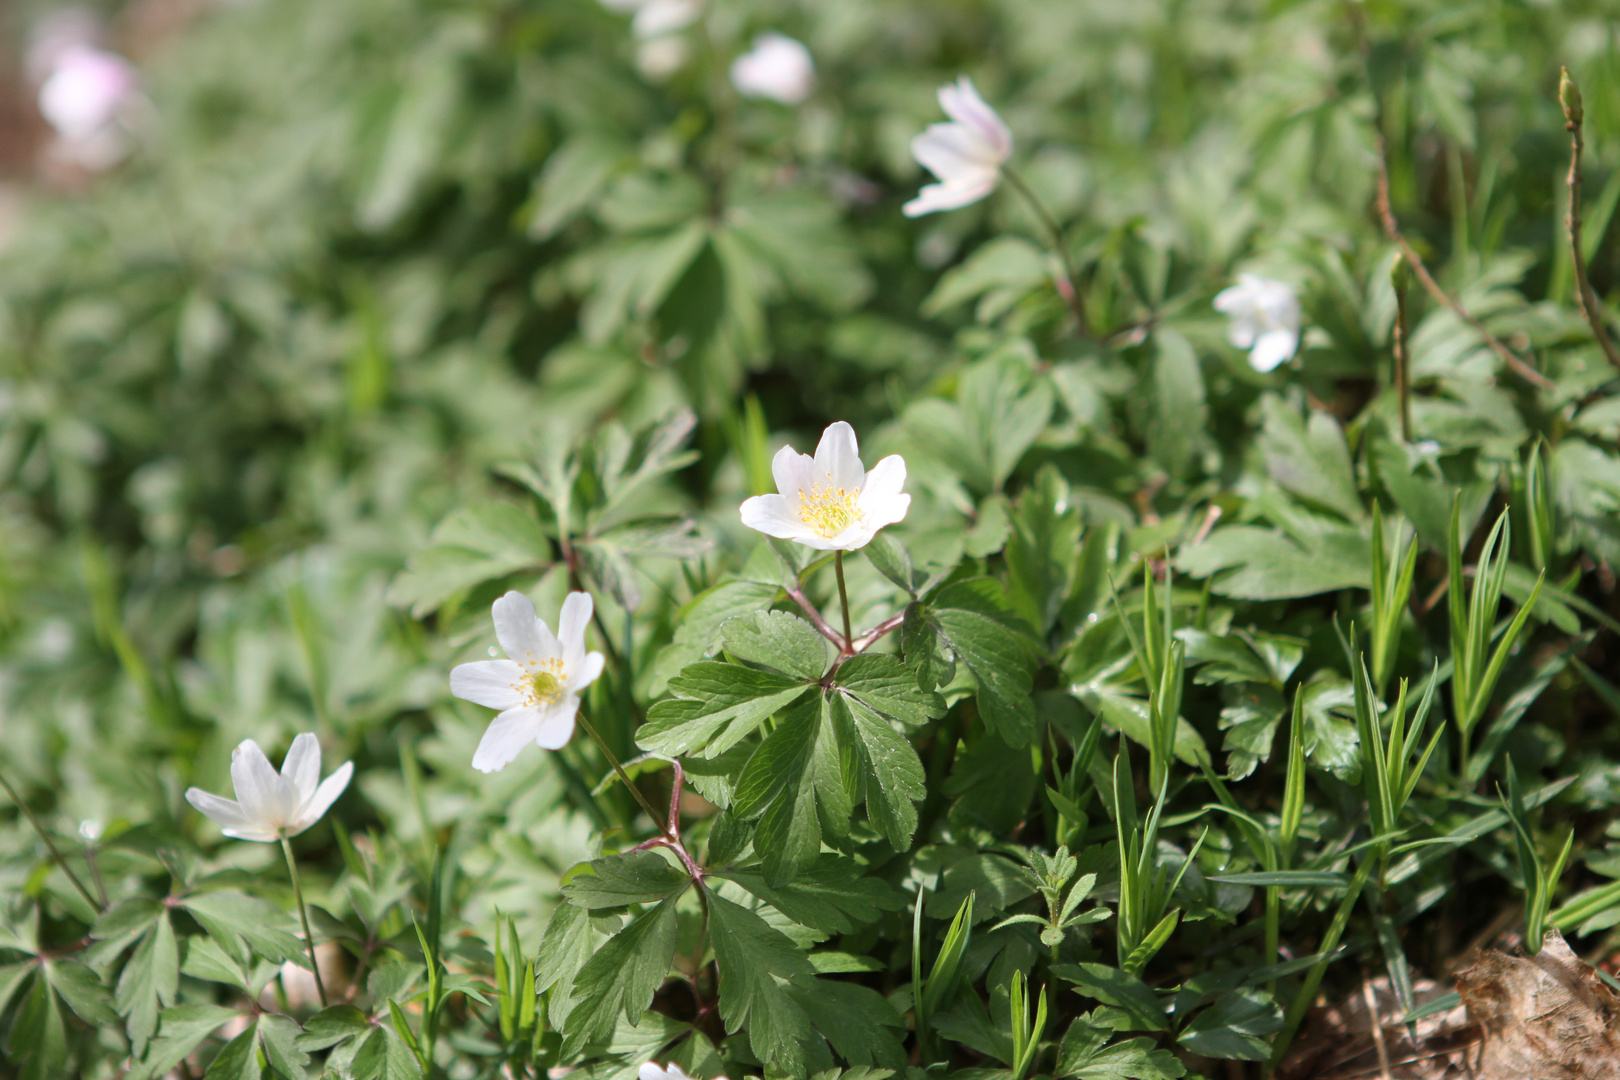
(828, 510)
(546, 686)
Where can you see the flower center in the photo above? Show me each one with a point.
(546, 686)
(828, 510)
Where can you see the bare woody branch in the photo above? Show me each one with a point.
(1392, 229)
(1569, 96)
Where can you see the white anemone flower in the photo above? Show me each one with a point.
(537, 687)
(651, 1070)
(829, 502)
(1265, 319)
(274, 806)
(86, 91)
(655, 18)
(777, 67)
(965, 154)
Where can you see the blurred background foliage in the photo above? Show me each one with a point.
(363, 255)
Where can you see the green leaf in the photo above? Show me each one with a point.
(1000, 270)
(925, 652)
(1311, 459)
(83, 990)
(832, 896)
(12, 976)
(1086, 1055)
(639, 877)
(1258, 564)
(991, 782)
(883, 684)
(37, 1039)
(998, 883)
(622, 977)
(574, 176)
(564, 950)
(239, 1060)
(891, 776)
(383, 1055)
(1234, 1027)
(698, 623)
(183, 1029)
(1112, 986)
(716, 706)
(234, 919)
(1180, 413)
(752, 957)
(858, 1022)
(474, 544)
(972, 618)
(778, 640)
(150, 979)
(330, 1026)
(278, 1035)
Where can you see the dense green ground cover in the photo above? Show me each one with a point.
(403, 304)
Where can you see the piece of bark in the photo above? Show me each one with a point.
(1542, 1017)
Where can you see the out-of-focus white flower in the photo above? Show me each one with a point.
(777, 67)
(271, 807)
(830, 502)
(537, 687)
(86, 91)
(965, 154)
(90, 829)
(1265, 319)
(651, 1070)
(655, 18)
(660, 58)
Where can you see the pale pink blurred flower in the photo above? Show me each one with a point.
(965, 154)
(777, 67)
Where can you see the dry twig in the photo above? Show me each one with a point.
(1569, 96)
(1392, 229)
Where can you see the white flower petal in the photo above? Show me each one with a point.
(838, 458)
(774, 515)
(219, 810)
(322, 798)
(258, 787)
(557, 724)
(660, 17)
(953, 153)
(506, 738)
(517, 628)
(490, 683)
(588, 671)
(301, 768)
(571, 624)
(936, 197)
(792, 470)
(259, 834)
(651, 1071)
(777, 67)
(963, 104)
(1273, 348)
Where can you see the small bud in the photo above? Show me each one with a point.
(1400, 275)
(1569, 96)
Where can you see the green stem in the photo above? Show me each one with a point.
(613, 759)
(50, 845)
(1060, 246)
(303, 914)
(843, 600)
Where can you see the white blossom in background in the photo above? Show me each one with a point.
(536, 689)
(651, 1070)
(271, 806)
(777, 67)
(830, 502)
(1265, 319)
(85, 91)
(965, 154)
(657, 25)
